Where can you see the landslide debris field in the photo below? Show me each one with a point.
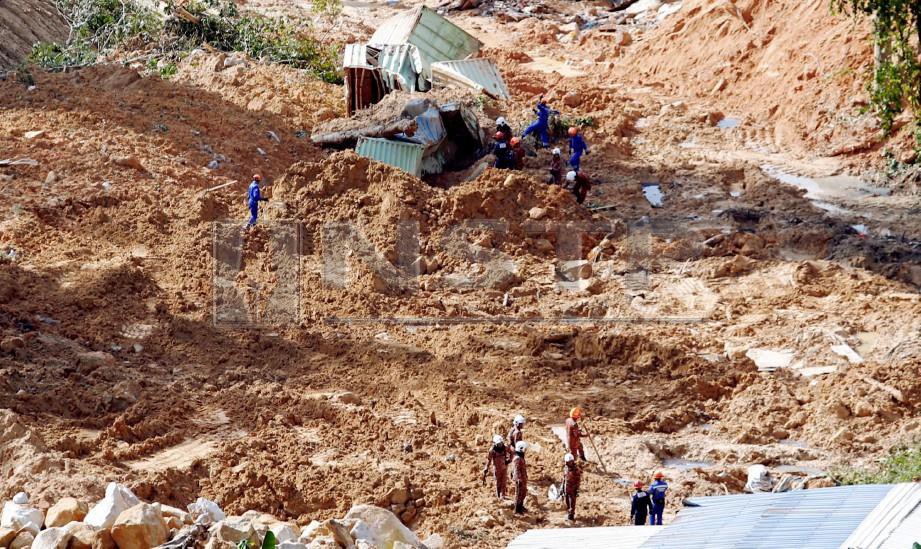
(775, 245)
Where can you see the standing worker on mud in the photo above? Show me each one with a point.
(254, 197)
(516, 434)
(541, 126)
(577, 147)
(572, 478)
(520, 476)
(502, 126)
(574, 434)
(498, 457)
(503, 152)
(556, 168)
(517, 153)
(581, 184)
(640, 505)
(657, 491)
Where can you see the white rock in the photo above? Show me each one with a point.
(284, 532)
(435, 541)
(52, 538)
(21, 516)
(118, 499)
(35, 134)
(169, 511)
(379, 527)
(207, 508)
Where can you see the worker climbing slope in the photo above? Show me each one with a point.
(541, 126)
(657, 491)
(498, 458)
(254, 197)
(572, 478)
(580, 185)
(520, 476)
(577, 147)
(574, 434)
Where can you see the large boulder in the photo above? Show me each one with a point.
(118, 499)
(23, 540)
(140, 527)
(52, 538)
(7, 535)
(66, 511)
(234, 530)
(284, 531)
(206, 508)
(19, 515)
(84, 536)
(379, 527)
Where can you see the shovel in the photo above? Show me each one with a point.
(595, 449)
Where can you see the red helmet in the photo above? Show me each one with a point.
(658, 475)
(500, 136)
(637, 484)
(516, 141)
(573, 131)
(257, 177)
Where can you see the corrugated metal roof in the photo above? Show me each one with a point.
(478, 74)
(902, 502)
(406, 156)
(619, 537)
(356, 57)
(400, 66)
(437, 38)
(907, 534)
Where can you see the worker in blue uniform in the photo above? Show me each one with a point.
(541, 126)
(657, 491)
(640, 505)
(577, 147)
(503, 152)
(254, 197)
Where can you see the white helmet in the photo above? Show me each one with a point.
(557, 152)
(571, 176)
(497, 439)
(568, 457)
(521, 446)
(500, 121)
(21, 498)
(519, 420)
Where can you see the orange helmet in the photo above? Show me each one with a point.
(516, 141)
(500, 136)
(658, 475)
(573, 131)
(575, 413)
(637, 484)
(257, 177)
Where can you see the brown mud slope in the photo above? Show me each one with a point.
(357, 362)
(25, 22)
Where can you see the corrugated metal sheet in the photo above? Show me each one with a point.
(356, 57)
(619, 537)
(889, 516)
(478, 74)
(907, 534)
(400, 65)
(406, 156)
(437, 38)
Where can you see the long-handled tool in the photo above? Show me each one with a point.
(595, 449)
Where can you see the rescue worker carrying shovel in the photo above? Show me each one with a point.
(574, 434)
(498, 457)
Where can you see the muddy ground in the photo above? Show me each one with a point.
(148, 340)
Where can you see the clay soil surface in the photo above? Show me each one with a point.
(148, 339)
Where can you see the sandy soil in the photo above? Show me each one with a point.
(121, 359)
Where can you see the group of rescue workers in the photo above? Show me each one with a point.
(510, 154)
(510, 451)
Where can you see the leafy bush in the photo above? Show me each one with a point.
(902, 465)
(327, 7)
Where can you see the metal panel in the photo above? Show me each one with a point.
(619, 537)
(437, 38)
(887, 518)
(398, 28)
(478, 74)
(405, 156)
(400, 66)
(356, 57)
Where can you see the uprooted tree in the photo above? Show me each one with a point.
(897, 44)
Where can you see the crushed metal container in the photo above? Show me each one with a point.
(364, 83)
(436, 38)
(405, 156)
(401, 67)
(481, 75)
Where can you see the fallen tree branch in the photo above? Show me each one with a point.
(348, 138)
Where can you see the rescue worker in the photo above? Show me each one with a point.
(517, 153)
(520, 476)
(498, 457)
(542, 125)
(574, 433)
(556, 168)
(502, 126)
(503, 152)
(577, 147)
(516, 434)
(254, 197)
(640, 505)
(657, 491)
(572, 477)
(580, 185)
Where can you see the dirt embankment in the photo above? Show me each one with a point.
(25, 22)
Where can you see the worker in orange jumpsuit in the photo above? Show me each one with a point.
(516, 434)
(498, 458)
(574, 433)
(520, 476)
(572, 478)
(517, 153)
(556, 168)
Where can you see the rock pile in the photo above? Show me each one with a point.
(122, 521)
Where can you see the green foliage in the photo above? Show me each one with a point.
(902, 465)
(327, 7)
(23, 76)
(897, 35)
(268, 542)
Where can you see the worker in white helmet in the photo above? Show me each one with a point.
(556, 167)
(516, 434)
(572, 478)
(498, 458)
(580, 185)
(520, 476)
(502, 126)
